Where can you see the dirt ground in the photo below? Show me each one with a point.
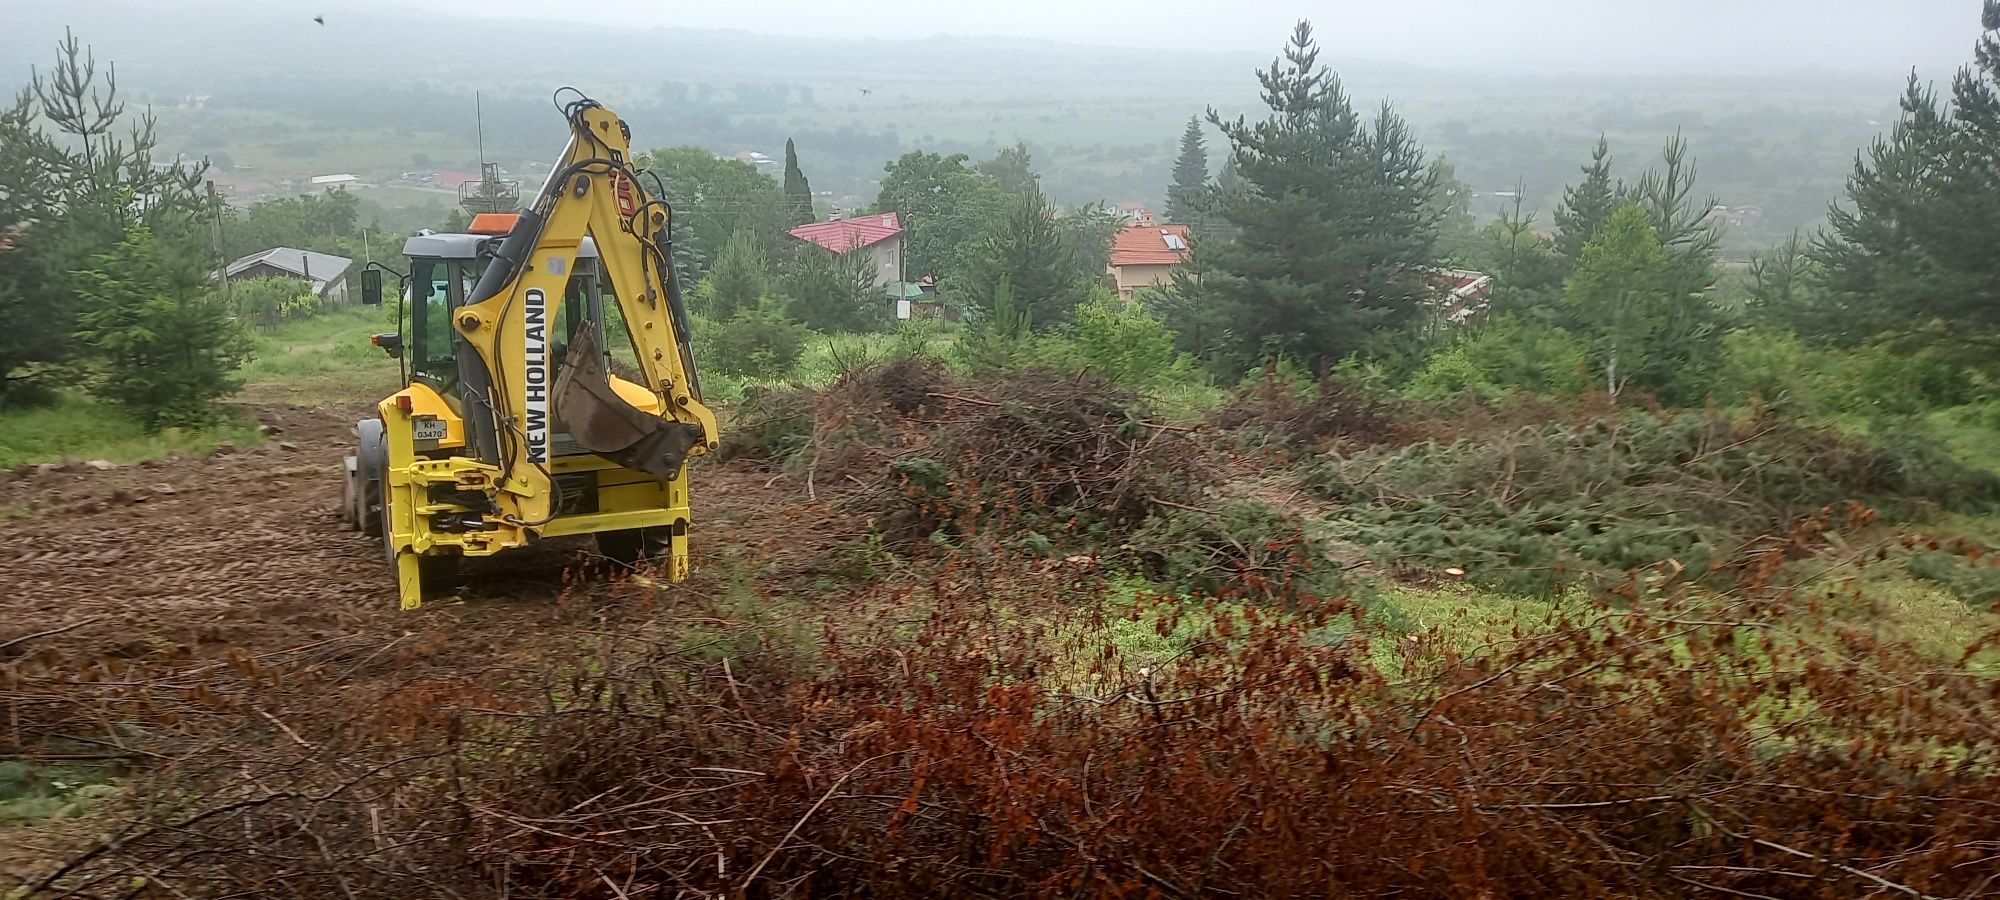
(170, 565)
(186, 557)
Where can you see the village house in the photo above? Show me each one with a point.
(1144, 255)
(880, 234)
(322, 270)
(1460, 294)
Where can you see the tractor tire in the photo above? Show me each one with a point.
(370, 462)
(350, 495)
(632, 546)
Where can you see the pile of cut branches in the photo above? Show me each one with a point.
(925, 454)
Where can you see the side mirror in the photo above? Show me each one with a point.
(371, 287)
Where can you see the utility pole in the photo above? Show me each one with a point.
(479, 123)
(221, 264)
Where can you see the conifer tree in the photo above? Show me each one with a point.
(1587, 207)
(798, 191)
(1911, 251)
(1185, 195)
(1335, 230)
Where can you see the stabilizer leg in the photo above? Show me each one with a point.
(409, 579)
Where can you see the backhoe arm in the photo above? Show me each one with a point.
(512, 319)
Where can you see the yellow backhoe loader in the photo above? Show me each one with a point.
(551, 387)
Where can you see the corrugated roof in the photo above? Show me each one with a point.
(1150, 245)
(319, 267)
(842, 235)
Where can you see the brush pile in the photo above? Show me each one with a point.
(926, 455)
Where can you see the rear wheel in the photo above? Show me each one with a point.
(350, 494)
(632, 546)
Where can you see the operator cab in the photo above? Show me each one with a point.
(443, 270)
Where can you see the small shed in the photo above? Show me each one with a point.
(323, 270)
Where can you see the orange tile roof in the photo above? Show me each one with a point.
(1150, 245)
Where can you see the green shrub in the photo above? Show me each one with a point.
(1505, 355)
(266, 303)
(1974, 581)
(1871, 382)
(1126, 344)
(759, 341)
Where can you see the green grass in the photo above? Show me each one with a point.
(1464, 619)
(79, 427)
(326, 358)
(323, 358)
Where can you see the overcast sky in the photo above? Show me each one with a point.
(1736, 35)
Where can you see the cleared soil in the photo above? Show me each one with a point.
(186, 557)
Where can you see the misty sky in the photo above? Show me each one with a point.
(1730, 35)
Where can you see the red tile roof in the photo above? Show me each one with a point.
(1150, 245)
(842, 235)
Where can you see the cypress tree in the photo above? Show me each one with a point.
(798, 191)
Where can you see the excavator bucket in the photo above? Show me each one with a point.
(600, 421)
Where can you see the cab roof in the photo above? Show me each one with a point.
(470, 246)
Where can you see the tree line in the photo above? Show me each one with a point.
(1318, 242)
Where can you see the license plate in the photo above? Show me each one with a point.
(427, 428)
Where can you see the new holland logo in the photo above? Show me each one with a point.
(537, 347)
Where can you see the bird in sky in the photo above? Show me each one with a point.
(320, 19)
(866, 91)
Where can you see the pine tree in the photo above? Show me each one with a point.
(798, 191)
(1680, 219)
(1334, 233)
(1029, 249)
(168, 343)
(737, 281)
(1911, 253)
(1587, 207)
(1185, 195)
(71, 194)
(835, 291)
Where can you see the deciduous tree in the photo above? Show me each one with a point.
(1011, 169)
(714, 199)
(1620, 300)
(943, 205)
